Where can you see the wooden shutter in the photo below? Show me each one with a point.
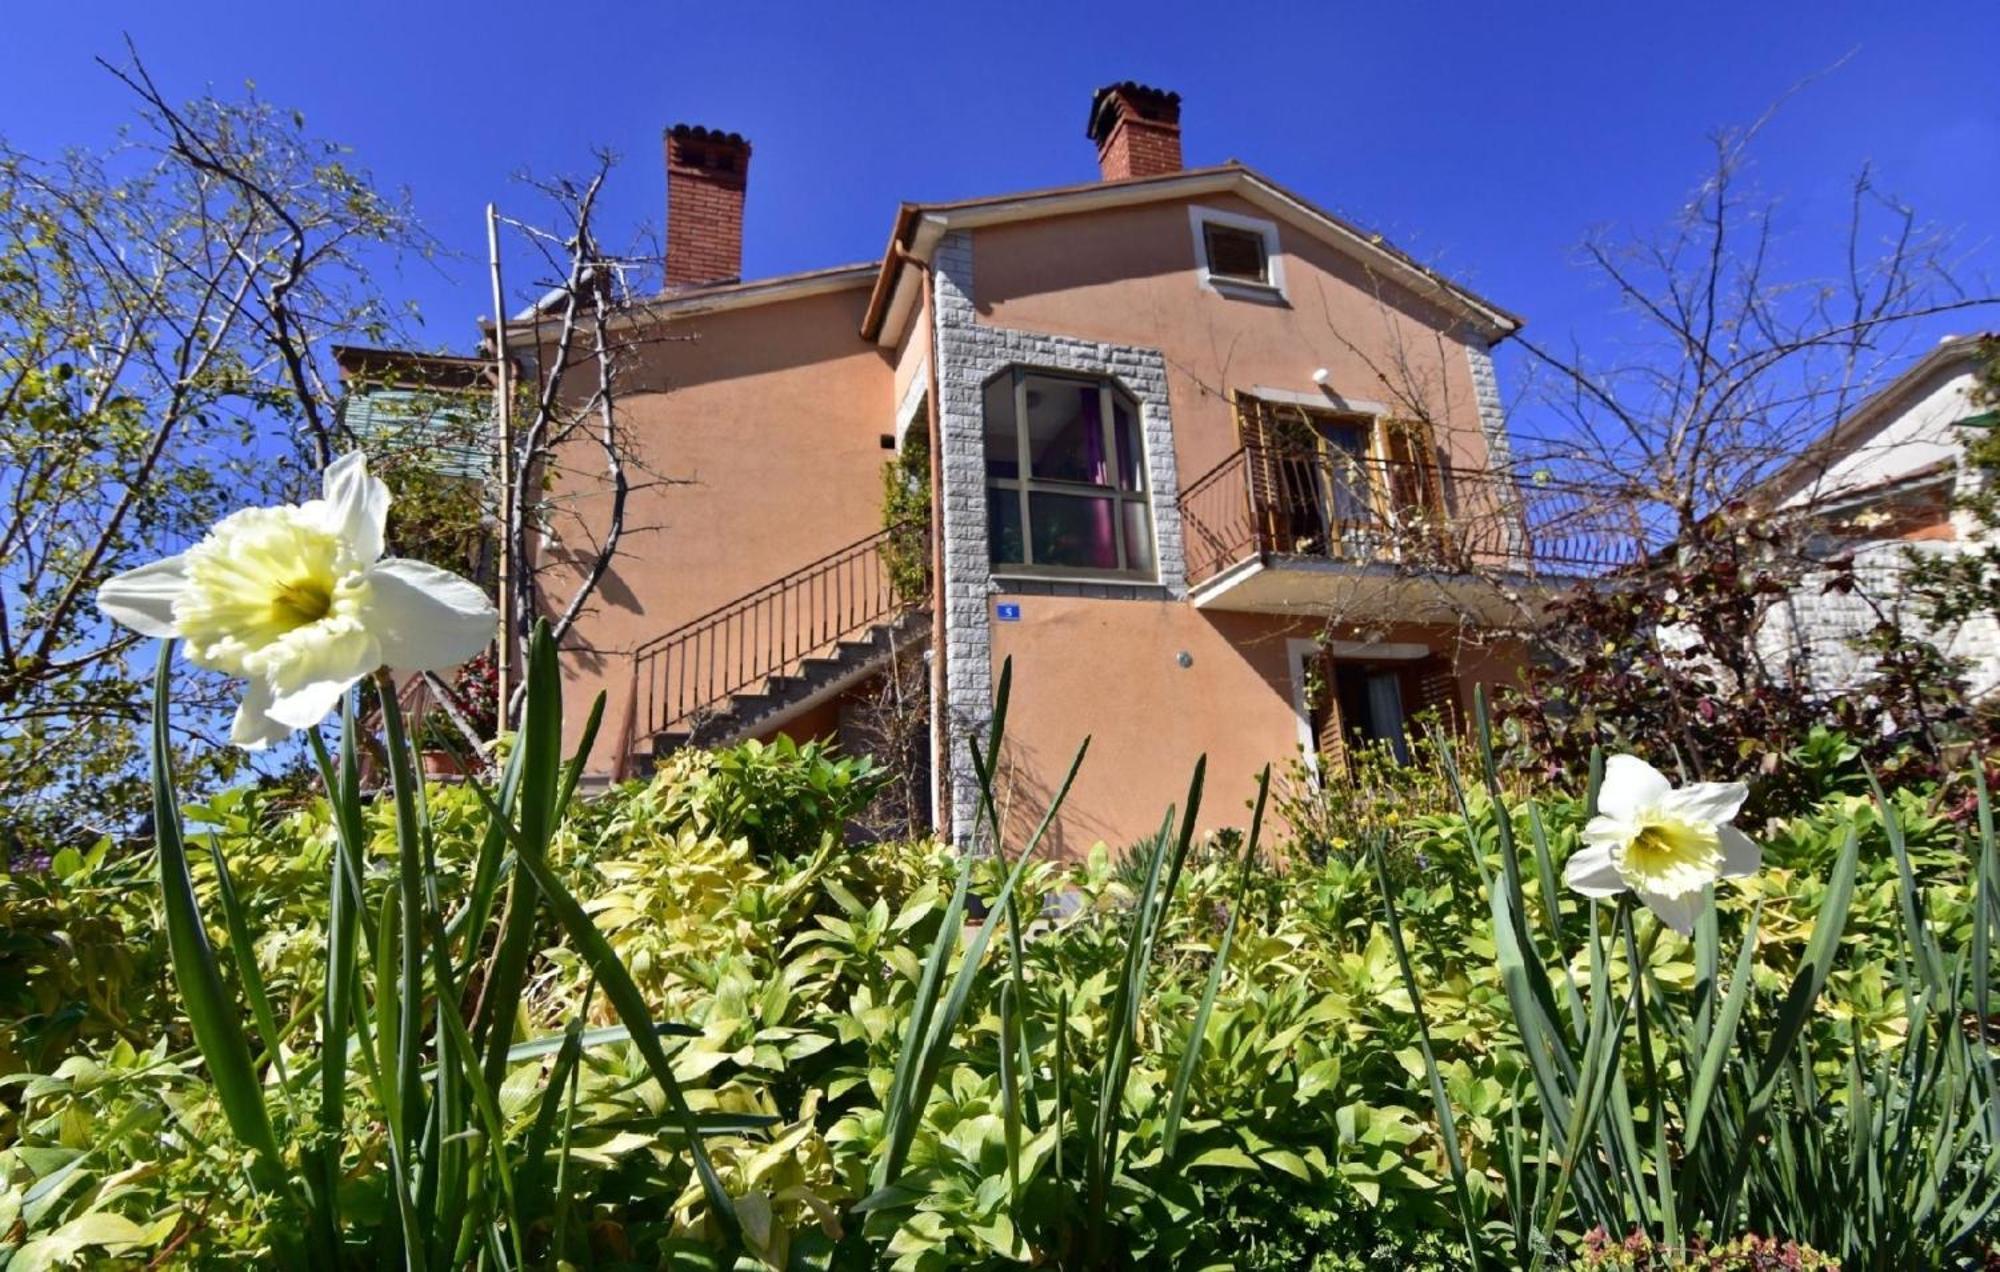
(1253, 432)
(1437, 690)
(1330, 727)
(1416, 486)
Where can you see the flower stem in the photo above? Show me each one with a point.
(409, 861)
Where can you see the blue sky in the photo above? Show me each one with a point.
(1485, 139)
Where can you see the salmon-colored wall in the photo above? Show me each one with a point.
(1111, 670)
(766, 424)
(912, 352)
(1129, 275)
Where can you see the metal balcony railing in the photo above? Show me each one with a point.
(681, 674)
(1416, 517)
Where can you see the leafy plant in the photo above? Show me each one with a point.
(452, 1171)
(785, 797)
(1725, 1118)
(906, 515)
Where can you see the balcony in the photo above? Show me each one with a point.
(1328, 534)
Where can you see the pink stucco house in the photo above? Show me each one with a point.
(1217, 470)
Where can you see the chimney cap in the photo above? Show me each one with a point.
(1157, 104)
(696, 132)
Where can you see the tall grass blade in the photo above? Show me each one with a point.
(1010, 1087)
(1123, 1035)
(1198, 1029)
(539, 744)
(1807, 982)
(1440, 1099)
(408, 1067)
(1985, 920)
(931, 1051)
(243, 953)
(1721, 1042)
(212, 1017)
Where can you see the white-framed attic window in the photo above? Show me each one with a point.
(1237, 255)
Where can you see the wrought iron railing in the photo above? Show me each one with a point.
(1419, 517)
(682, 675)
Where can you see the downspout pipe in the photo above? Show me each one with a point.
(940, 702)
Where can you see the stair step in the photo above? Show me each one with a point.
(746, 707)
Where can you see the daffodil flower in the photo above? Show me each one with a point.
(1666, 844)
(299, 602)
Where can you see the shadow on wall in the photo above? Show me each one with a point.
(1029, 778)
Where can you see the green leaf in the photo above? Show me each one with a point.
(215, 1020)
(1722, 1040)
(1230, 1156)
(1198, 1028)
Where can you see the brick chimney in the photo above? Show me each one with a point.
(707, 172)
(1137, 130)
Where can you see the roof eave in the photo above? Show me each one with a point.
(706, 300)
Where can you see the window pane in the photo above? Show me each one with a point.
(1233, 252)
(1003, 458)
(1003, 525)
(1347, 470)
(1131, 456)
(1138, 536)
(1065, 431)
(1073, 530)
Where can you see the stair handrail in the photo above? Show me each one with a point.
(653, 706)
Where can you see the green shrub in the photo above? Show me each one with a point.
(784, 797)
(792, 964)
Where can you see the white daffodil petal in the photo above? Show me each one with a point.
(427, 619)
(143, 599)
(1678, 913)
(1706, 801)
(354, 509)
(1630, 787)
(1591, 872)
(1741, 855)
(1605, 831)
(254, 729)
(310, 703)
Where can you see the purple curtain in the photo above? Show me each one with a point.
(1103, 538)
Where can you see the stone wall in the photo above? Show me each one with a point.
(1820, 626)
(969, 353)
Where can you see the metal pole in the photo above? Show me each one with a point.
(504, 428)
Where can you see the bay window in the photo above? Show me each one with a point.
(1065, 476)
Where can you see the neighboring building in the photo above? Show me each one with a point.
(435, 405)
(1881, 485)
(1220, 473)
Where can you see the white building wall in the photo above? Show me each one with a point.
(1915, 440)
(1821, 626)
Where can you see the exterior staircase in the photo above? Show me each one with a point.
(747, 667)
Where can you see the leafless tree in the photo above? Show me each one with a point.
(1721, 367)
(573, 464)
(164, 305)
